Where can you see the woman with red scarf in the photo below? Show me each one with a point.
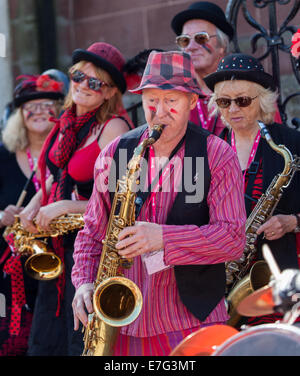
(93, 117)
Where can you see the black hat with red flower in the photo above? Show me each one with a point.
(37, 87)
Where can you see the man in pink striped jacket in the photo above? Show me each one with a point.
(190, 223)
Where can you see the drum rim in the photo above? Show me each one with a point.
(259, 328)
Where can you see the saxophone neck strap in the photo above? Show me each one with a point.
(252, 168)
(142, 195)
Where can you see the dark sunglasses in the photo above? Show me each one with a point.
(93, 83)
(239, 101)
(201, 38)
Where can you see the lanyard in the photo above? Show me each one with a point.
(204, 122)
(252, 153)
(166, 171)
(32, 162)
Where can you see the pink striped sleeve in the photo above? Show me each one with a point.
(88, 243)
(223, 238)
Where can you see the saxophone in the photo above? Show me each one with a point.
(117, 301)
(239, 283)
(41, 263)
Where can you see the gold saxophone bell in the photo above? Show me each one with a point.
(259, 276)
(41, 264)
(117, 301)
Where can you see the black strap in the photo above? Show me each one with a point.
(215, 123)
(142, 195)
(84, 131)
(252, 173)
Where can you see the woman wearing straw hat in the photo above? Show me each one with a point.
(245, 94)
(182, 237)
(92, 118)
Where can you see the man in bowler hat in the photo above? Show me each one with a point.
(204, 33)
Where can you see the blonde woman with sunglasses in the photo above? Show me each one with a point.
(93, 116)
(243, 94)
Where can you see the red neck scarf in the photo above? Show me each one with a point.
(68, 125)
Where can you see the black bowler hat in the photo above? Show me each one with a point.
(106, 57)
(203, 10)
(240, 67)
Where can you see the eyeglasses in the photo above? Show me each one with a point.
(42, 106)
(93, 82)
(239, 101)
(201, 38)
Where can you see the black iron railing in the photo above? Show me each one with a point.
(273, 37)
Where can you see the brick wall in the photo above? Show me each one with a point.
(133, 25)
(130, 25)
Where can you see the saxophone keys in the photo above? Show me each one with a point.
(261, 218)
(233, 267)
(229, 278)
(126, 263)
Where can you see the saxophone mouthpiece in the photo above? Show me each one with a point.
(157, 131)
(264, 130)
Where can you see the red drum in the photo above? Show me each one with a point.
(263, 340)
(204, 341)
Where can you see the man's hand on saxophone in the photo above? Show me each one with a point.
(277, 226)
(82, 301)
(141, 238)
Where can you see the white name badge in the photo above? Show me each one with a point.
(154, 261)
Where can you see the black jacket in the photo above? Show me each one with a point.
(283, 249)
